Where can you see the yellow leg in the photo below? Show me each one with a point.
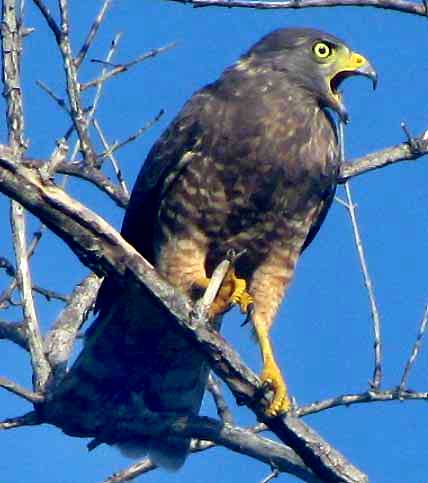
(232, 291)
(271, 375)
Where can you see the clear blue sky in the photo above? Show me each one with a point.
(323, 334)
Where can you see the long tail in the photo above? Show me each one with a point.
(132, 356)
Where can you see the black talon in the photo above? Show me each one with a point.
(249, 317)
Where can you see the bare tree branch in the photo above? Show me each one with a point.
(118, 69)
(7, 293)
(365, 397)
(377, 372)
(58, 100)
(113, 160)
(77, 112)
(15, 332)
(243, 441)
(85, 172)
(49, 19)
(415, 350)
(95, 177)
(60, 339)
(271, 476)
(92, 33)
(20, 391)
(213, 386)
(28, 419)
(38, 360)
(383, 158)
(397, 5)
(11, 48)
(133, 136)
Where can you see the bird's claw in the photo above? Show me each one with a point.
(248, 318)
(240, 296)
(272, 380)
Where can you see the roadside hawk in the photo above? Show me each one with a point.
(250, 165)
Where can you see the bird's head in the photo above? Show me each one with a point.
(313, 60)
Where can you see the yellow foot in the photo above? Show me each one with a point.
(240, 296)
(232, 291)
(271, 376)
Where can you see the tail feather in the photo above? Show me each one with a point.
(169, 452)
(131, 356)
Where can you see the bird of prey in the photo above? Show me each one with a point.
(249, 164)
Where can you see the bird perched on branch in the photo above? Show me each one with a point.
(249, 164)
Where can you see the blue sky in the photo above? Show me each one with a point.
(323, 334)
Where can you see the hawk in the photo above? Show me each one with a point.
(250, 165)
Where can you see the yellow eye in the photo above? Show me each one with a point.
(322, 50)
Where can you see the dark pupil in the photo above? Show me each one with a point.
(322, 50)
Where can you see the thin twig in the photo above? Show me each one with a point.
(415, 350)
(361, 398)
(20, 391)
(98, 179)
(91, 34)
(120, 68)
(8, 292)
(271, 476)
(7, 266)
(58, 100)
(377, 373)
(112, 50)
(113, 160)
(50, 294)
(133, 137)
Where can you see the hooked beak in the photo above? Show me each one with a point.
(353, 64)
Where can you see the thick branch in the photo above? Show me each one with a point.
(60, 340)
(101, 248)
(246, 442)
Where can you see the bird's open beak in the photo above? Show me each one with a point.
(349, 65)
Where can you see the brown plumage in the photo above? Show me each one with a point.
(250, 163)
